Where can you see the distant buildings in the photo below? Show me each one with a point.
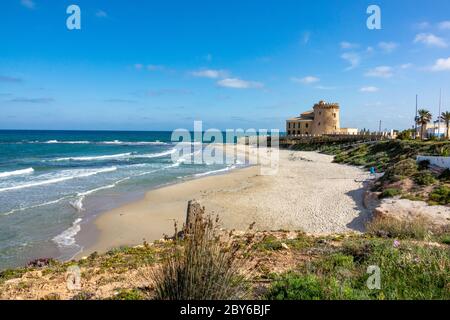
(433, 130)
(323, 119)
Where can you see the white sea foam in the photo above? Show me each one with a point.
(75, 142)
(16, 172)
(67, 237)
(114, 142)
(63, 142)
(92, 158)
(34, 206)
(128, 155)
(133, 143)
(214, 171)
(62, 176)
(77, 204)
(155, 155)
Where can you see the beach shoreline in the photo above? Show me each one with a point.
(309, 193)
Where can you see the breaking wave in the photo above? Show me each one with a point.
(128, 155)
(16, 172)
(62, 176)
(67, 237)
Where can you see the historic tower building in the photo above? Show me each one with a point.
(326, 118)
(323, 119)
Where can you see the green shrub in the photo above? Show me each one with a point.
(390, 192)
(405, 134)
(296, 287)
(402, 169)
(445, 239)
(129, 294)
(424, 178)
(269, 243)
(408, 271)
(412, 271)
(440, 195)
(445, 175)
(12, 274)
(424, 165)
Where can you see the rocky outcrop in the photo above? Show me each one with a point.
(407, 210)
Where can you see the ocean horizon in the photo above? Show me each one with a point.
(52, 182)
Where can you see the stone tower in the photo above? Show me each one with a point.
(326, 118)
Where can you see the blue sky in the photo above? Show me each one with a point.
(160, 65)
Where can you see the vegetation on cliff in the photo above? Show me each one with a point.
(414, 263)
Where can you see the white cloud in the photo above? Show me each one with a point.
(444, 25)
(325, 88)
(406, 66)
(380, 72)
(236, 83)
(430, 40)
(28, 4)
(348, 45)
(209, 73)
(138, 66)
(101, 14)
(388, 46)
(154, 67)
(306, 80)
(353, 58)
(369, 89)
(441, 65)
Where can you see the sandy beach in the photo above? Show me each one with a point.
(308, 193)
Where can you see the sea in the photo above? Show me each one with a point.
(52, 183)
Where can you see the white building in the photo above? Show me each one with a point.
(433, 130)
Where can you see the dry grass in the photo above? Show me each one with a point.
(417, 228)
(201, 265)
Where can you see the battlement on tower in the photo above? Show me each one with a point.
(326, 105)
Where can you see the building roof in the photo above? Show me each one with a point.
(305, 116)
(300, 119)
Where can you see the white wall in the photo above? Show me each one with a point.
(443, 162)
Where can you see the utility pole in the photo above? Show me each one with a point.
(415, 121)
(439, 114)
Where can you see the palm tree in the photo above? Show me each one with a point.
(423, 118)
(445, 116)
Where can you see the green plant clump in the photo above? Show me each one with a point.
(440, 195)
(408, 271)
(390, 192)
(445, 176)
(424, 178)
